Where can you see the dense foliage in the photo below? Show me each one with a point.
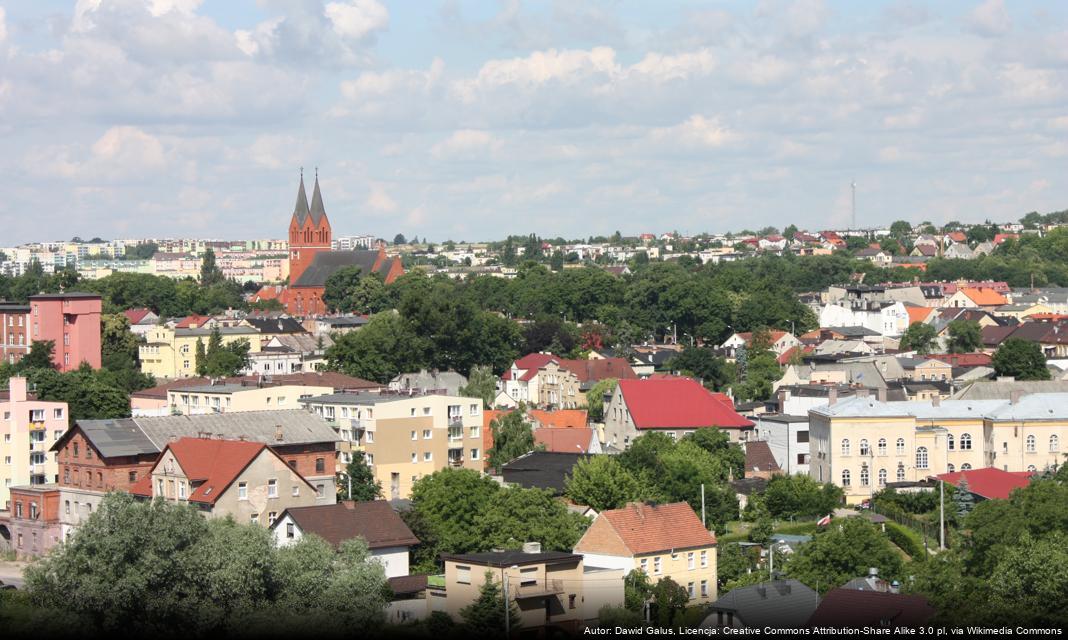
(845, 550)
(1021, 359)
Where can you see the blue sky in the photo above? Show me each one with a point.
(471, 120)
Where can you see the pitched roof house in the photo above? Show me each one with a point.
(851, 608)
(780, 604)
(989, 483)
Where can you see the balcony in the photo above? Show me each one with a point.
(365, 425)
(456, 420)
(535, 588)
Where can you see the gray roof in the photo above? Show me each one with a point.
(327, 263)
(298, 427)
(361, 398)
(783, 604)
(224, 331)
(1002, 389)
(115, 438)
(300, 209)
(317, 211)
(870, 407)
(781, 417)
(1035, 406)
(448, 380)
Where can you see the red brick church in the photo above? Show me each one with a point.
(312, 261)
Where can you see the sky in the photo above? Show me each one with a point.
(464, 120)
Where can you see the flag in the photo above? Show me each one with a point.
(824, 521)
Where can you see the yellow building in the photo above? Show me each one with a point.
(861, 444)
(405, 437)
(233, 398)
(172, 353)
(662, 540)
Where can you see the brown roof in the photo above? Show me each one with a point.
(849, 608)
(562, 440)
(374, 521)
(407, 585)
(597, 370)
(647, 528)
(758, 457)
(559, 419)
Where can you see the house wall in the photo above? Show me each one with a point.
(81, 466)
(783, 439)
(601, 588)
(28, 429)
(554, 609)
(14, 332)
(249, 399)
(74, 325)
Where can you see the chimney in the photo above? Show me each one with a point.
(881, 394)
(863, 392)
(832, 396)
(17, 389)
(1015, 395)
(278, 433)
(531, 547)
(936, 400)
(873, 572)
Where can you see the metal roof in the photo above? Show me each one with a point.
(297, 427)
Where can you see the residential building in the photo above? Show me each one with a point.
(386, 535)
(858, 609)
(988, 483)
(14, 331)
(781, 342)
(977, 297)
(70, 320)
(862, 443)
(675, 406)
(141, 320)
(549, 381)
(661, 540)
(787, 438)
(405, 437)
(228, 478)
(171, 352)
(779, 604)
(759, 461)
(546, 587)
(237, 397)
(29, 427)
(106, 455)
(424, 381)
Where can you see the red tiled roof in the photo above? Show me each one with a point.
(984, 297)
(373, 520)
(963, 359)
(564, 440)
(136, 315)
(529, 365)
(851, 608)
(919, 314)
(647, 528)
(597, 370)
(678, 403)
(559, 419)
(191, 320)
(989, 482)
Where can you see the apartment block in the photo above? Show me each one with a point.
(14, 332)
(72, 321)
(28, 429)
(237, 397)
(171, 352)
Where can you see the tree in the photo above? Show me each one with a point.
(671, 600)
(919, 337)
(965, 336)
(1031, 578)
(444, 512)
(485, 617)
(39, 356)
(556, 263)
(595, 398)
(362, 479)
(793, 496)
(400, 239)
(847, 549)
(222, 360)
(516, 515)
(481, 384)
(512, 437)
(1021, 359)
(210, 274)
(732, 562)
(637, 590)
(900, 229)
(963, 499)
(385, 347)
(702, 363)
(718, 443)
(601, 482)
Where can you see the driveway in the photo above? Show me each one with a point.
(11, 573)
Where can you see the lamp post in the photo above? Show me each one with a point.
(507, 608)
(349, 478)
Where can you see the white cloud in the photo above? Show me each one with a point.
(990, 19)
(128, 148)
(380, 200)
(696, 131)
(357, 19)
(465, 142)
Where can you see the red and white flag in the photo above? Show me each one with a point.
(824, 521)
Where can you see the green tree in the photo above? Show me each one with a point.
(516, 515)
(1031, 578)
(210, 273)
(794, 496)
(512, 437)
(1021, 359)
(919, 337)
(601, 482)
(732, 563)
(718, 443)
(702, 363)
(595, 398)
(485, 617)
(900, 229)
(963, 499)
(362, 479)
(39, 356)
(445, 509)
(965, 336)
(847, 549)
(481, 384)
(637, 590)
(400, 239)
(556, 263)
(671, 600)
(384, 348)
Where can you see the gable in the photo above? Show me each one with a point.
(601, 538)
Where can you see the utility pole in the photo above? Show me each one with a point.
(703, 505)
(941, 515)
(853, 185)
(507, 611)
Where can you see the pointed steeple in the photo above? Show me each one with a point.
(300, 210)
(318, 212)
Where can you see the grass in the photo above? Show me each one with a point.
(738, 530)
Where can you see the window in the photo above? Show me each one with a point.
(415, 457)
(66, 507)
(690, 589)
(966, 467)
(571, 601)
(181, 490)
(865, 478)
(802, 436)
(704, 559)
(319, 489)
(255, 519)
(921, 458)
(296, 490)
(320, 465)
(290, 533)
(57, 414)
(691, 561)
(272, 488)
(950, 468)
(474, 410)
(242, 491)
(1031, 445)
(704, 588)
(900, 446)
(271, 517)
(845, 447)
(645, 565)
(75, 449)
(474, 454)
(965, 442)
(426, 456)
(415, 436)
(426, 434)
(463, 575)
(949, 442)
(882, 477)
(159, 487)
(864, 449)
(1054, 443)
(474, 432)
(900, 472)
(1031, 468)
(132, 477)
(845, 477)
(882, 446)
(657, 565)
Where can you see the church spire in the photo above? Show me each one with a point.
(318, 212)
(300, 210)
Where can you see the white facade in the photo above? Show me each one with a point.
(891, 320)
(787, 437)
(394, 559)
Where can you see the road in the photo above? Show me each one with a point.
(11, 573)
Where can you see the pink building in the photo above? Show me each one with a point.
(28, 429)
(72, 321)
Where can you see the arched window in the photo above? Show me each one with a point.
(845, 477)
(949, 442)
(950, 468)
(845, 447)
(900, 472)
(965, 442)
(921, 458)
(966, 467)
(864, 449)
(865, 476)
(882, 477)
(1054, 443)
(900, 446)
(882, 446)
(1031, 447)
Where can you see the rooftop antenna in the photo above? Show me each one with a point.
(853, 186)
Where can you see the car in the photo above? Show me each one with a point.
(865, 505)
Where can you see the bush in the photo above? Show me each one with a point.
(907, 540)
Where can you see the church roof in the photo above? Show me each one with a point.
(327, 263)
(300, 210)
(317, 212)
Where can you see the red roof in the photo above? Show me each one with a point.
(529, 365)
(597, 370)
(559, 419)
(852, 608)
(673, 403)
(647, 528)
(192, 321)
(564, 440)
(963, 359)
(136, 315)
(989, 482)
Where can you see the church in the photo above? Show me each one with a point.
(312, 260)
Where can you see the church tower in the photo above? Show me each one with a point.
(309, 230)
